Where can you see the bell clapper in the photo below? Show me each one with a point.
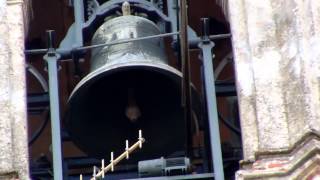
(132, 111)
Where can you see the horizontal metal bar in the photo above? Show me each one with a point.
(35, 51)
(225, 89)
(193, 176)
(219, 36)
(68, 52)
(193, 43)
(127, 40)
(37, 99)
(62, 52)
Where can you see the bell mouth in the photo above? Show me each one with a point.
(97, 121)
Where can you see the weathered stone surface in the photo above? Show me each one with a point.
(5, 104)
(300, 162)
(277, 58)
(13, 131)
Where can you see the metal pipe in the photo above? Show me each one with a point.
(212, 109)
(55, 115)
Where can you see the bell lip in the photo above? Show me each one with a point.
(109, 69)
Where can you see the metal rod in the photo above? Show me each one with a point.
(111, 162)
(193, 43)
(62, 52)
(55, 115)
(212, 109)
(186, 81)
(102, 167)
(65, 52)
(127, 148)
(94, 172)
(126, 41)
(219, 36)
(35, 51)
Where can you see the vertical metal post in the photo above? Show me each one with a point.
(79, 21)
(186, 88)
(52, 58)
(172, 8)
(206, 46)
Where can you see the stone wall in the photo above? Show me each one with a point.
(13, 131)
(277, 60)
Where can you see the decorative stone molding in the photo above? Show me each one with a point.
(13, 128)
(276, 47)
(300, 162)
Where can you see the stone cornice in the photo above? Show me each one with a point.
(288, 164)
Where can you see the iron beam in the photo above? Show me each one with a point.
(52, 59)
(64, 52)
(206, 46)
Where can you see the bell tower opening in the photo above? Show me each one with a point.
(121, 71)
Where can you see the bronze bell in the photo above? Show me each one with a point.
(130, 87)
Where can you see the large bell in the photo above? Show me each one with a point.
(130, 87)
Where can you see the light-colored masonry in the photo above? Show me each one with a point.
(276, 46)
(13, 129)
